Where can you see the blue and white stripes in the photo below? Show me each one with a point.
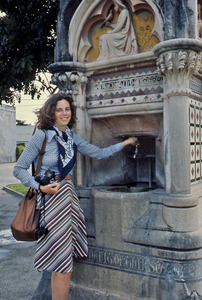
(66, 236)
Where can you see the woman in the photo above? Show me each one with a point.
(122, 39)
(64, 219)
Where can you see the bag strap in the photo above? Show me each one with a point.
(41, 153)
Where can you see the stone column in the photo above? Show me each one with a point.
(177, 61)
(74, 83)
(79, 94)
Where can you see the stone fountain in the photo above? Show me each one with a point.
(143, 213)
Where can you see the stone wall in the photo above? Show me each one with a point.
(24, 133)
(7, 133)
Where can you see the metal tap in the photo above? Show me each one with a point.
(136, 151)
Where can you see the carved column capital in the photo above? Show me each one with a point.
(177, 60)
(69, 82)
(177, 67)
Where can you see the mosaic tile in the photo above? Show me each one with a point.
(153, 91)
(192, 133)
(197, 152)
(197, 134)
(146, 91)
(192, 153)
(201, 134)
(191, 115)
(116, 95)
(134, 92)
(198, 171)
(201, 152)
(106, 96)
(128, 94)
(192, 172)
(197, 113)
(201, 170)
(195, 140)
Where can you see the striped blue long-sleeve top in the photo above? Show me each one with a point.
(50, 158)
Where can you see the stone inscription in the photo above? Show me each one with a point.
(195, 85)
(145, 265)
(124, 83)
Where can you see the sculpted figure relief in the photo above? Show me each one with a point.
(122, 39)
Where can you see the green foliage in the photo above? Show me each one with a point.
(18, 187)
(21, 123)
(19, 150)
(28, 35)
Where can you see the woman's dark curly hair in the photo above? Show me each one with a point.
(46, 114)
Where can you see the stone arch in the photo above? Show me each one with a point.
(85, 26)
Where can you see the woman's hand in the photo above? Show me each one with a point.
(108, 24)
(51, 188)
(130, 141)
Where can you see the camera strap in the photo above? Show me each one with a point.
(42, 209)
(41, 153)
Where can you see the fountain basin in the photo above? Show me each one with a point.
(126, 189)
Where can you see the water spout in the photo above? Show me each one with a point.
(136, 151)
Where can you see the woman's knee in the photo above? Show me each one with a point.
(61, 276)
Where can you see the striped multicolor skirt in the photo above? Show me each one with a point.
(66, 237)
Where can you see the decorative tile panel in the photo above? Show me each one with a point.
(195, 126)
(125, 87)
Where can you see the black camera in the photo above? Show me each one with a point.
(43, 180)
(46, 178)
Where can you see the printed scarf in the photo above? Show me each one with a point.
(67, 151)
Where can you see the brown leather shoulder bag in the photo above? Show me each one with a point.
(26, 220)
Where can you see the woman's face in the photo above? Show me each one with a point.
(63, 114)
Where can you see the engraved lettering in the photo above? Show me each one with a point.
(145, 265)
(123, 83)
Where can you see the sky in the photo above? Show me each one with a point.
(25, 109)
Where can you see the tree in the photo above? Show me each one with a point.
(28, 35)
(21, 123)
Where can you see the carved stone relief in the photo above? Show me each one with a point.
(177, 68)
(121, 40)
(69, 82)
(117, 28)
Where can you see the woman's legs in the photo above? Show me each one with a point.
(60, 285)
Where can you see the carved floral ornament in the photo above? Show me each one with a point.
(69, 82)
(114, 28)
(177, 67)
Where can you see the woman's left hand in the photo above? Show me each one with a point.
(51, 188)
(130, 141)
